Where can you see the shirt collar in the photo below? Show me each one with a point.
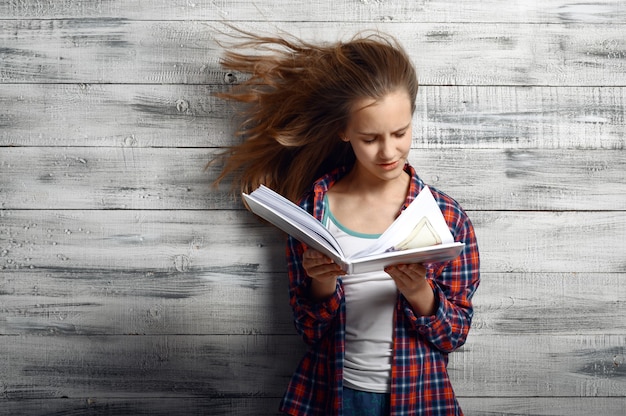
(323, 184)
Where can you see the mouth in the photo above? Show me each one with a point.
(389, 166)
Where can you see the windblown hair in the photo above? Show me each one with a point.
(297, 100)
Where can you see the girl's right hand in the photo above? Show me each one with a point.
(323, 271)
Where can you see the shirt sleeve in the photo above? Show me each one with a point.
(453, 284)
(312, 319)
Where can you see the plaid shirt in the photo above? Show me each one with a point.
(419, 378)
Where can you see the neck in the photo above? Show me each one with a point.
(359, 182)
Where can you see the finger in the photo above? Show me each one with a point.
(326, 268)
(414, 270)
(397, 270)
(315, 257)
(310, 263)
(310, 253)
(323, 270)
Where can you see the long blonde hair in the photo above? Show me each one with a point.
(297, 99)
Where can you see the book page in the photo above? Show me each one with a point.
(423, 212)
(432, 254)
(419, 234)
(292, 219)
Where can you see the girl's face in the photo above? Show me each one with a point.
(380, 134)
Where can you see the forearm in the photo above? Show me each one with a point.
(447, 328)
(422, 300)
(412, 283)
(312, 317)
(323, 289)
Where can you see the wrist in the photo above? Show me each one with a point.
(422, 300)
(322, 289)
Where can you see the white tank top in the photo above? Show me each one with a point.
(370, 305)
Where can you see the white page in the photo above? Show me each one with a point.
(293, 214)
(431, 254)
(424, 205)
(295, 221)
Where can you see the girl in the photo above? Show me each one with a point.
(330, 127)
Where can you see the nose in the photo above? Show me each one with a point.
(386, 148)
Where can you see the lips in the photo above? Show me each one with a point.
(389, 166)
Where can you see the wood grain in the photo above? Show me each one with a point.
(203, 241)
(464, 117)
(129, 286)
(123, 51)
(260, 366)
(371, 11)
(262, 406)
(125, 177)
(67, 302)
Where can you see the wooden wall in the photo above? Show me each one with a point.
(129, 286)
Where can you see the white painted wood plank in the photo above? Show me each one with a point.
(521, 117)
(552, 242)
(100, 302)
(540, 406)
(154, 406)
(136, 366)
(125, 177)
(189, 116)
(69, 302)
(550, 304)
(260, 366)
(150, 241)
(122, 51)
(203, 242)
(265, 406)
(523, 11)
(540, 366)
(107, 115)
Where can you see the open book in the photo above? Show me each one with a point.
(418, 235)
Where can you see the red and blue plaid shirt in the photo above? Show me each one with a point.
(419, 378)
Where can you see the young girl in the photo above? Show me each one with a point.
(329, 127)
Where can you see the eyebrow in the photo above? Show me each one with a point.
(374, 134)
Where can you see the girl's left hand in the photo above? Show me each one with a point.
(411, 282)
(409, 278)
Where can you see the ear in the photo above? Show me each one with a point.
(342, 136)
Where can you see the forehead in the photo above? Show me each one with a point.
(392, 110)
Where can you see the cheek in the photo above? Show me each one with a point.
(363, 152)
(406, 144)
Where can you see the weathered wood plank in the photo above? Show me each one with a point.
(100, 302)
(229, 366)
(522, 11)
(261, 406)
(520, 117)
(75, 302)
(190, 116)
(113, 115)
(552, 242)
(203, 242)
(540, 406)
(147, 241)
(547, 366)
(123, 51)
(154, 406)
(126, 177)
(550, 304)
(146, 366)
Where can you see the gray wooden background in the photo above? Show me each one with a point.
(129, 286)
